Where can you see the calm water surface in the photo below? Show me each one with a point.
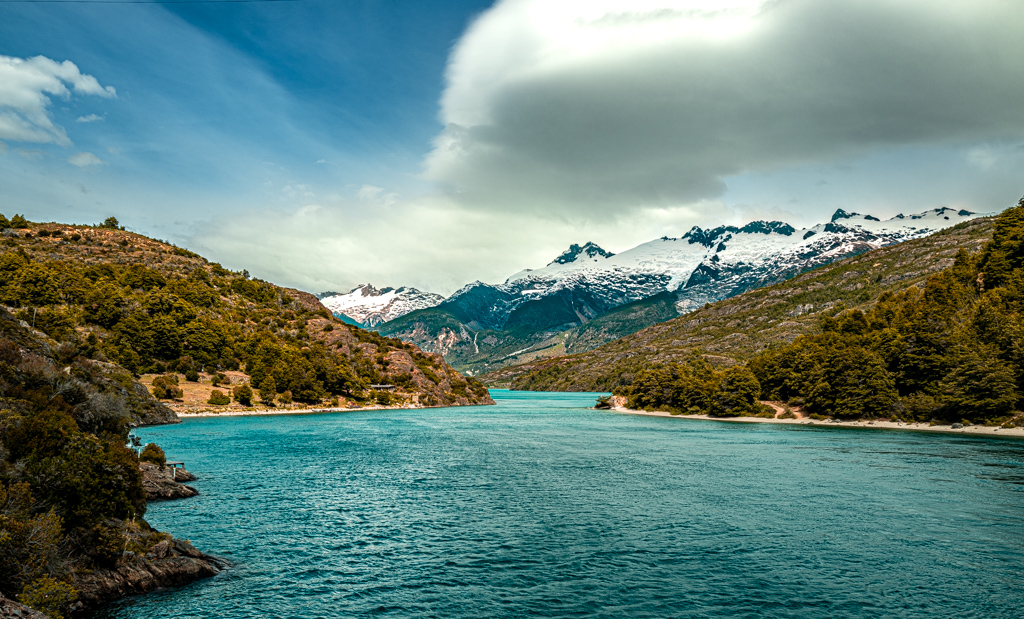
(539, 507)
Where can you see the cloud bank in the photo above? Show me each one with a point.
(592, 106)
(26, 88)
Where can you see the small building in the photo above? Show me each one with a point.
(382, 387)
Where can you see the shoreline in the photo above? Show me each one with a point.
(258, 412)
(974, 430)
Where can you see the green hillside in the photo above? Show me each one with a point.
(948, 349)
(155, 308)
(737, 329)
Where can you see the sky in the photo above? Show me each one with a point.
(323, 144)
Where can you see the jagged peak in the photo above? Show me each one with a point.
(589, 249)
(367, 290)
(768, 227)
(467, 288)
(841, 214)
(708, 238)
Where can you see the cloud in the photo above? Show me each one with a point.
(26, 88)
(84, 160)
(589, 106)
(91, 118)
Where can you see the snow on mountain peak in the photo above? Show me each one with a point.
(370, 306)
(575, 252)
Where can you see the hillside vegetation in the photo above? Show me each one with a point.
(948, 348)
(735, 330)
(155, 308)
(85, 311)
(71, 496)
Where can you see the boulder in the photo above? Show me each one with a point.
(163, 483)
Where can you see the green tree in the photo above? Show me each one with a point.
(1005, 252)
(981, 386)
(166, 387)
(19, 221)
(153, 454)
(110, 223)
(737, 393)
(218, 398)
(243, 394)
(268, 389)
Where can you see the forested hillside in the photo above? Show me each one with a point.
(155, 308)
(735, 330)
(88, 309)
(950, 348)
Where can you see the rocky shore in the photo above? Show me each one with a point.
(164, 483)
(170, 563)
(9, 609)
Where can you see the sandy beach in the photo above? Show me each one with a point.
(252, 412)
(878, 425)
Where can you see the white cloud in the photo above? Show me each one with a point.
(91, 118)
(84, 160)
(26, 88)
(595, 105)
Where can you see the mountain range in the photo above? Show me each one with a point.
(588, 296)
(366, 306)
(735, 330)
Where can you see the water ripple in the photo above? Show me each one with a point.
(538, 507)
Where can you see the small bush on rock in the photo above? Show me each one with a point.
(153, 454)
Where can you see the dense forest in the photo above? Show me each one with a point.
(83, 312)
(949, 350)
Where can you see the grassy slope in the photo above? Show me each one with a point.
(737, 328)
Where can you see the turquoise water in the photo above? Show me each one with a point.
(539, 507)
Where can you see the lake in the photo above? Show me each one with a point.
(541, 507)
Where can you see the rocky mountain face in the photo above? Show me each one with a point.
(368, 307)
(544, 312)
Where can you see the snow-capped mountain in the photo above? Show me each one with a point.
(370, 307)
(700, 266)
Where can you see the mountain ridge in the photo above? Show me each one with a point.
(735, 329)
(482, 326)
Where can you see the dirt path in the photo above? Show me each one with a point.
(779, 409)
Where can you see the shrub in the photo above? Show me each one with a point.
(154, 454)
(75, 236)
(166, 387)
(191, 375)
(218, 398)
(19, 221)
(49, 596)
(110, 223)
(243, 395)
(43, 233)
(220, 379)
(285, 398)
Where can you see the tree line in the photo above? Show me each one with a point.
(950, 350)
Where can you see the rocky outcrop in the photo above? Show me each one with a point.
(9, 609)
(163, 483)
(170, 563)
